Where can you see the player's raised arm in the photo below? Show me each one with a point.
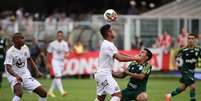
(119, 75)
(124, 58)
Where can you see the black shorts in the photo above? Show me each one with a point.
(187, 81)
(130, 94)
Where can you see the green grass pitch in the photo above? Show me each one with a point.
(84, 90)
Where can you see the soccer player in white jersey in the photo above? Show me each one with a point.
(19, 77)
(58, 50)
(106, 84)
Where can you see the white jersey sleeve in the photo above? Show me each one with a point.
(50, 48)
(8, 59)
(66, 47)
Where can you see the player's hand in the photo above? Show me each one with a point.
(39, 74)
(18, 78)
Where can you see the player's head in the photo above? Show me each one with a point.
(60, 35)
(145, 54)
(18, 39)
(106, 32)
(191, 39)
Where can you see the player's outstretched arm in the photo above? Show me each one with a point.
(139, 76)
(124, 58)
(119, 75)
(10, 71)
(34, 67)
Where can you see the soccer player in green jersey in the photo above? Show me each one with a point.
(2, 56)
(186, 60)
(139, 72)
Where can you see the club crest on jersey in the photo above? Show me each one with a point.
(19, 63)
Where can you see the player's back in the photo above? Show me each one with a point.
(17, 58)
(106, 60)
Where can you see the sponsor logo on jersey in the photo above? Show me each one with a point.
(190, 60)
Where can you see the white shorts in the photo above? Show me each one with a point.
(28, 84)
(57, 67)
(106, 85)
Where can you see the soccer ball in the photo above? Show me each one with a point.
(110, 15)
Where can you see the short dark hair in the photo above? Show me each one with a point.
(60, 31)
(191, 34)
(16, 35)
(149, 53)
(104, 29)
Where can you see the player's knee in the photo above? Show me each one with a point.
(192, 87)
(142, 97)
(18, 90)
(19, 93)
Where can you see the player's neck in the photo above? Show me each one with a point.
(17, 47)
(191, 46)
(59, 40)
(109, 39)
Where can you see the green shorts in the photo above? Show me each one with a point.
(130, 94)
(187, 81)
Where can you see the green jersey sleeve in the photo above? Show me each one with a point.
(147, 69)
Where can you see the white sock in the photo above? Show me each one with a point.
(59, 85)
(16, 98)
(96, 99)
(53, 85)
(115, 98)
(42, 99)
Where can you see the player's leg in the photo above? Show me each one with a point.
(111, 87)
(177, 91)
(192, 92)
(31, 84)
(18, 91)
(54, 81)
(100, 91)
(142, 97)
(116, 96)
(41, 92)
(57, 78)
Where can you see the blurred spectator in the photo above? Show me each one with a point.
(137, 43)
(34, 52)
(26, 23)
(182, 38)
(63, 23)
(19, 13)
(50, 25)
(164, 41)
(199, 39)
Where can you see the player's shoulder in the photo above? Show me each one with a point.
(10, 50)
(197, 48)
(148, 65)
(107, 44)
(24, 48)
(64, 42)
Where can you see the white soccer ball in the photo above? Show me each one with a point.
(110, 15)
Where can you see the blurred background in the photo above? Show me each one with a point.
(161, 25)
